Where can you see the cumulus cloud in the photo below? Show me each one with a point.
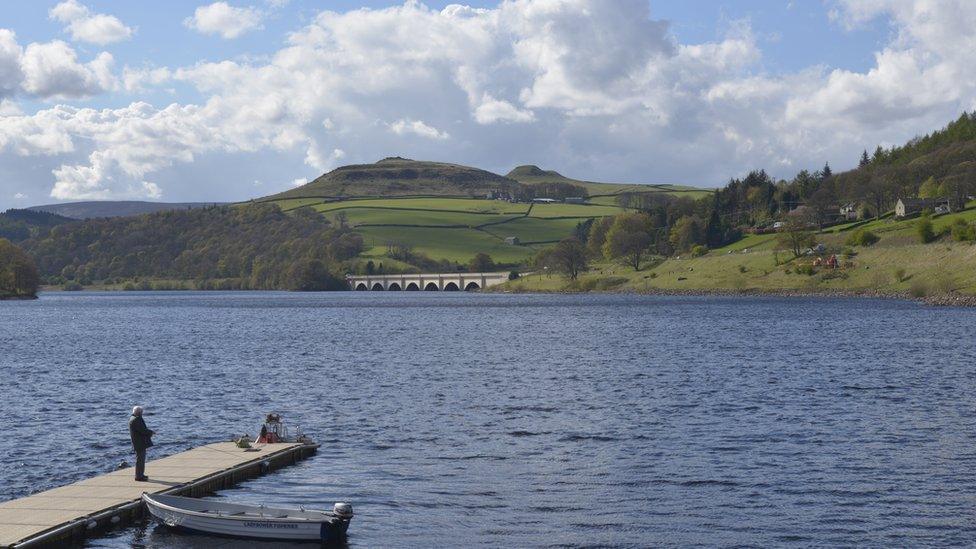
(417, 127)
(85, 26)
(596, 89)
(223, 19)
(53, 70)
(11, 74)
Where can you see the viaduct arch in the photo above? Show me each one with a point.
(442, 282)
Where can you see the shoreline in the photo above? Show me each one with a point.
(942, 300)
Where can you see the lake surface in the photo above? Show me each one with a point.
(495, 420)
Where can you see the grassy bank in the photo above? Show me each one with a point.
(896, 265)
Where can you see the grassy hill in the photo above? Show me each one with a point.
(402, 177)
(442, 210)
(599, 193)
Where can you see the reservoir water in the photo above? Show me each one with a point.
(470, 420)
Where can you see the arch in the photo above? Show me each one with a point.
(451, 287)
(412, 287)
(394, 287)
(431, 287)
(377, 287)
(472, 286)
(361, 287)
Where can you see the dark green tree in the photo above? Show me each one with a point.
(569, 257)
(481, 263)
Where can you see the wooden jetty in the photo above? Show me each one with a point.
(71, 513)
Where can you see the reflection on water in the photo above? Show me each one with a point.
(492, 420)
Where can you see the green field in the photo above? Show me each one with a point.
(381, 216)
(458, 245)
(455, 228)
(530, 229)
(573, 210)
(446, 204)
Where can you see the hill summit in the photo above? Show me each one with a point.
(396, 176)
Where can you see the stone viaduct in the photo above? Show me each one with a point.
(426, 282)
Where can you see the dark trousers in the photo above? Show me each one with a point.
(140, 463)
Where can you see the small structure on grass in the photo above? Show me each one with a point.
(907, 207)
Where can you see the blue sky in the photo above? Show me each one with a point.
(191, 100)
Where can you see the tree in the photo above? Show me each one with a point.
(598, 236)
(826, 172)
(18, 273)
(629, 238)
(569, 257)
(481, 263)
(795, 235)
(311, 276)
(865, 159)
(686, 233)
(821, 205)
(924, 229)
(930, 189)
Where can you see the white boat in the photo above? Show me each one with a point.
(250, 521)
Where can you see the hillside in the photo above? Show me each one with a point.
(604, 193)
(19, 225)
(792, 228)
(897, 264)
(249, 247)
(402, 177)
(115, 208)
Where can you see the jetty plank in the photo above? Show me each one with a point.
(77, 507)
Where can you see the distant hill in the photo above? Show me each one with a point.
(534, 175)
(397, 176)
(115, 208)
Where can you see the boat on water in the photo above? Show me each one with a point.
(250, 521)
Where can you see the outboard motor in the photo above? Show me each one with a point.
(335, 529)
(343, 510)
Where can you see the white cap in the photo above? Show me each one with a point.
(137, 410)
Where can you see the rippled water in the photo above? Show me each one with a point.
(494, 420)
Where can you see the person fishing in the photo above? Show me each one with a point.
(141, 441)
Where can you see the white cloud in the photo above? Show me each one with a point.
(298, 182)
(492, 110)
(417, 127)
(85, 26)
(11, 74)
(19, 196)
(52, 70)
(223, 19)
(595, 89)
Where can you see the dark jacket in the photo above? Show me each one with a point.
(141, 435)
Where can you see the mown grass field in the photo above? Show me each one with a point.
(458, 245)
(455, 228)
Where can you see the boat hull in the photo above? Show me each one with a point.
(328, 529)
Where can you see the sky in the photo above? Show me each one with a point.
(198, 101)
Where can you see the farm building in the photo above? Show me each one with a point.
(907, 207)
(849, 211)
(512, 240)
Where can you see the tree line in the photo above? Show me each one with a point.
(940, 164)
(18, 273)
(252, 246)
